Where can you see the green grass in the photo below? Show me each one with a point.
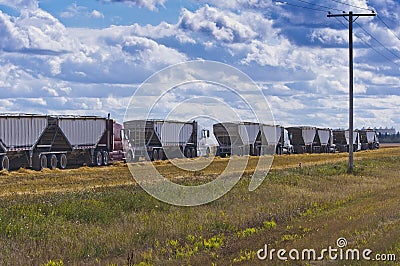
(308, 207)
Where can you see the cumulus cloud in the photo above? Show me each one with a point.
(150, 4)
(330, 36)
(24, 4)
(226, 27)
(89, 71)
(96, 14)
(74, 11)
(240, 4)
(33, 31)
(80, 55)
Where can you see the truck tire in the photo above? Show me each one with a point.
(62, 161)
(106, 158)
(129, 157)
(99, 158)
(52, 162)
(155, 155)
(208, 152)
(42, 161)
(5, 163)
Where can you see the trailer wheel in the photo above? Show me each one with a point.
(99, 158)
(155, 155)
(161, 154)
(5, 163)
(105, 158)
(189, 153)
(52, 163)
(62, 161)
(42, 161)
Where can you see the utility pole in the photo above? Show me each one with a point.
(351, 19)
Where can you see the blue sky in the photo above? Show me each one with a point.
(88, 57)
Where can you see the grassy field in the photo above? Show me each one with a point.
(99, 216)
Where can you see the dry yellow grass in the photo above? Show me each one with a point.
(26, 181)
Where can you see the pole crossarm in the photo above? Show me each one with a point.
(351, 15)
(348, 15)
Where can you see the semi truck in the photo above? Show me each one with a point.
(50, 141)
(161, 139)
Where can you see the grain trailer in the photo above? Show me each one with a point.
(159, 139)
(41, 141)
(277, 137)
(323, 141)
(237, 138)
(369, 139)
(302, 138)
(341, 139)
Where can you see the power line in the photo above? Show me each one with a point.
(328, 8)
(344, 3)
(370, 46)
(384, 23)
(388, 27)
(310, 8)
(377, 40)
(376, 51)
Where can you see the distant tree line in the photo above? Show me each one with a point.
(386, 138)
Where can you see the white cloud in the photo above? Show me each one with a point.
(33, 30)
(240, 4)
(83, 70)
(330, 36)
(25, 4)
(96, 14)
(73, 11)
(150, 4)
(223, 26)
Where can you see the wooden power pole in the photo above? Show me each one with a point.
(351, 19)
